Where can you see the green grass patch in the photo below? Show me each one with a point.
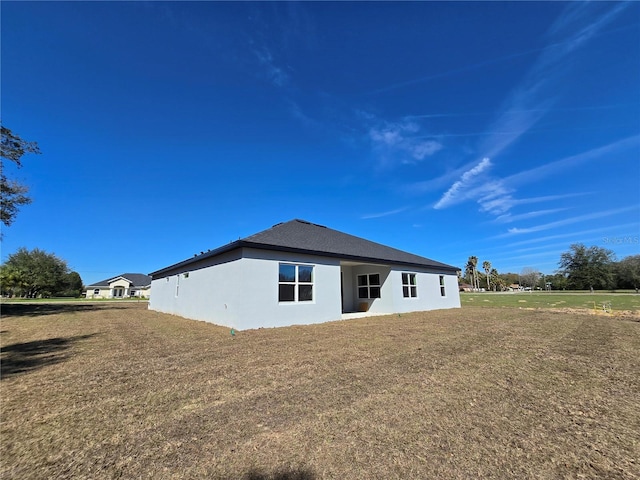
(618, 301)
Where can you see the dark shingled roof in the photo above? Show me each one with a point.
(138, 279)
(301, 236)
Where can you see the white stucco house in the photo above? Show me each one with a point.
(301, 273)
(127, 285)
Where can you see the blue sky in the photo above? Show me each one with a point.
(503, 130)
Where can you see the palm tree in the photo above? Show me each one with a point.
(468, 273)
(473, 263)
(497, 281)
(486, 265)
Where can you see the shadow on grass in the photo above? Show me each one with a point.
(281, 474)
(36, 309)
(20, 358)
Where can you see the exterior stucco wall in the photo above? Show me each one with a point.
(103, 292)
(141, 292)
(428, 288)
(391, 297)
(107, 292)
(239, 289)
(349, 303)
(242, 292)
(121, 282)
(261, 307)
(210, 291)
(384, 304)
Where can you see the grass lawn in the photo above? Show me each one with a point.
(620, 302)
(116, 391)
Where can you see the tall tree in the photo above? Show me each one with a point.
(34, 273)
(628, 272)
(486, 265)
(71, 286)
(529, 276)
(558, 281)
(587, 268)
(498, 281)
(472, 268)
(474, 262)
(13, 194)
(468, 273)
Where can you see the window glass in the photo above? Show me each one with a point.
(305, 293)
(409, 288)
(286, 293)
(305, 273)
(369, 285)
(295, 283)
(96, 291)
(287, 273)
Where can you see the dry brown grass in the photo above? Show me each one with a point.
(116, 391)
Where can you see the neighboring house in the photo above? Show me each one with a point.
(127, 285)
(465, 287)
(301, 273)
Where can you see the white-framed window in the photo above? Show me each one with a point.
(442, 291)
(369, 285)
(409, 285)
(132, 293)
(295, 282)
(96, 291)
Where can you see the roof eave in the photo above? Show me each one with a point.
(213, 253)
(355, 258)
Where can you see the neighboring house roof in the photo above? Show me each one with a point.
(300, 236)
(138, 280)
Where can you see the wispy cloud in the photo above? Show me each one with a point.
(537, 173)
(499, 199)
(580, 234)
(547, 198)
(530, 101)
(397, 142)
(274, 73)
(525, 216)
(567, 221)
(573, 17)
(558, 41)
(383, 214)
(496, 195)
(458, 191)
(525, 106)
(436, 183)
